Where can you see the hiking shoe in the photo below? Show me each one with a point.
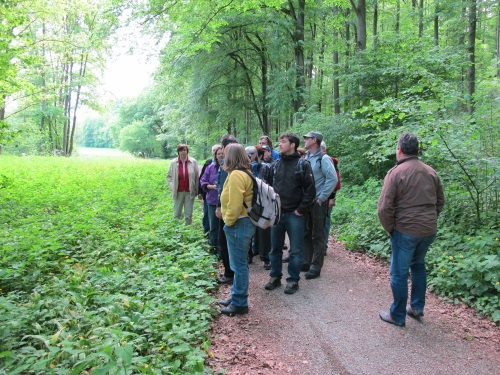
(267, 266)
(273, 283)
(291, 287)
(312, 274)
(225, 280)
(413, 314)
(386, 317)
(234, 310)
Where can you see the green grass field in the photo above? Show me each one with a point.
(95, 275)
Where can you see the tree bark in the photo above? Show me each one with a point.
(375, 23)
(360, 10)
(471, 52)
(436, 24)
(421, 19)
(336, 83)
(498, 43)
(398, 16)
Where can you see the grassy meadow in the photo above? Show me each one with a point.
(95, 276)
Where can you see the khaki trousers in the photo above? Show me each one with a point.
(184, 201)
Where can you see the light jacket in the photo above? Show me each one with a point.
(325, 177)
(411, 199)
(238, 188)
(193, 172)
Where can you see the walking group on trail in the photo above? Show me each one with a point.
(302, 185)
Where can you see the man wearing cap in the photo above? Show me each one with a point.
(325, 179)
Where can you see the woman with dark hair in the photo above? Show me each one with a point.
(183, 177)
(208, 183)
(236, 195)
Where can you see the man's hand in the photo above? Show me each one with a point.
(218, 213)
(331, 203)
(297, 213)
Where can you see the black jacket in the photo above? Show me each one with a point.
(296, 188)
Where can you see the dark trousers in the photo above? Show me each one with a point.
(262, 243)
(224, 251)
(314, 237)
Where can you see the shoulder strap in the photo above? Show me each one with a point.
(255, 188)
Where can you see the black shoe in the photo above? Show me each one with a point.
(291, 287)
(413, 313)
(312, 274)
(233, 310)
(386, 317)
(285, 247)
(273, 283)
(267, 266)
(225, 280)
(225, 302)
(304, 268)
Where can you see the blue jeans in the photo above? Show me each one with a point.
(213, 221)
(314, 237)
(293, 225)
(408, 253)
(239, 236)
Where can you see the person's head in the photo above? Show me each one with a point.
(251, 152)
(215, 147)
(260, 151)
(312, 140)
(267, 153)
(289, 142)
(301, 151)
(182, 151)
(228, 139)
(218, 154)
(235, 157)
(323, 146)
(265, 141)
(407, 145)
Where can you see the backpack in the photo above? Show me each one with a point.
(266, 204)
(335, 162)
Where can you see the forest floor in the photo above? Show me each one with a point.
(331, 326)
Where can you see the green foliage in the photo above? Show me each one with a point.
(95, 133)
(462, 266)
(138, 140)
(95, 275)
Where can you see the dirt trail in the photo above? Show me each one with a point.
(331, 326)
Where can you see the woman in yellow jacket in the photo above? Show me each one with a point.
(239, 230)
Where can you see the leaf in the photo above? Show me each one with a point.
(125, 353)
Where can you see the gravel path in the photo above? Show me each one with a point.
(331, 326)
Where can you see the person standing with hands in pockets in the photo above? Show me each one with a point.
(411, 199)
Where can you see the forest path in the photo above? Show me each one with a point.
(331, 326)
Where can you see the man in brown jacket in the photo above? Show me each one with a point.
(410, 202)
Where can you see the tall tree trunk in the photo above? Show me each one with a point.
(398, 16)
(310, 58)
(347, 54)
(360, 10)
(336, 83)
(471, 52)
(375, 23)
(421, 19)
(298, 39)
(83, 69)
(498, 43)
(321, 59)
(436, 24)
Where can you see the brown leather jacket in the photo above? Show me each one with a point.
(411, 199)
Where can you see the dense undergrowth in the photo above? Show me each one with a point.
(463, 263)
(95, 275)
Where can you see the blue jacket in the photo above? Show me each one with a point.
(324, 173)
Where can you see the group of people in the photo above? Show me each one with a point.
(410, 201)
